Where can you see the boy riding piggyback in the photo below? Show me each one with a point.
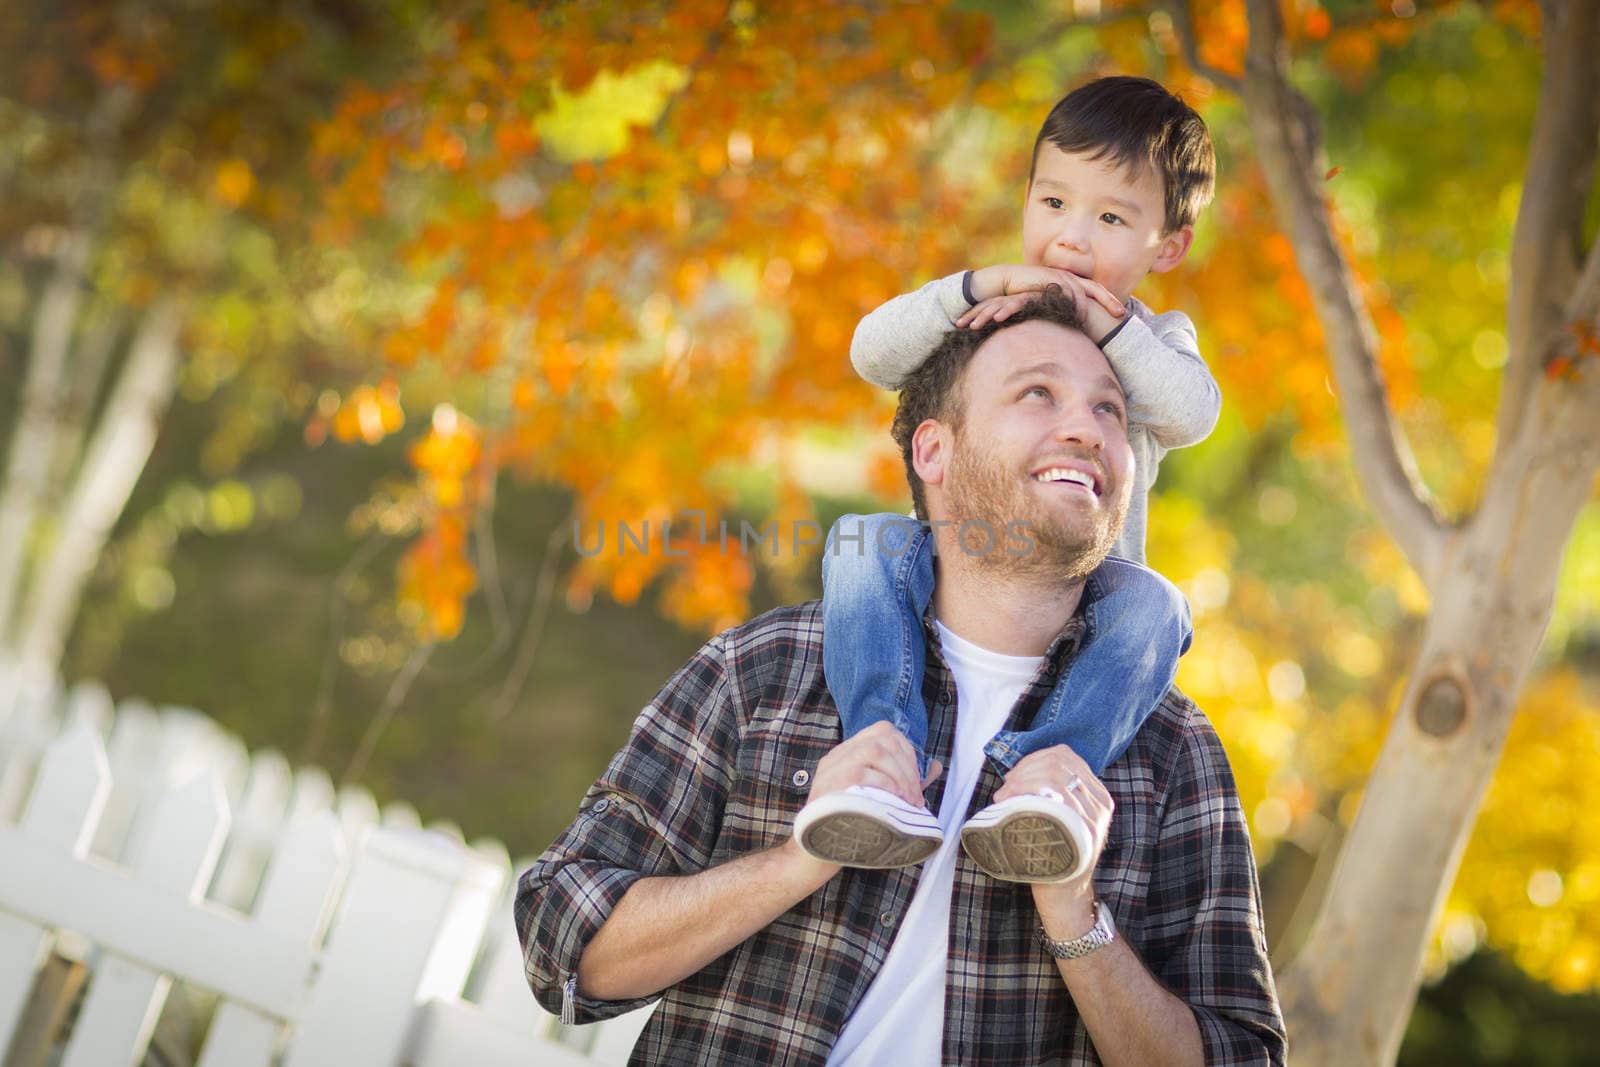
(1121, 169)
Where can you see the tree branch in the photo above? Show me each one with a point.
(1359, 19)
(517, 679)
(1287, 140)
(1183, 26)
(396, 695)
(1546, 248)
(322, 707)
(1584, 304)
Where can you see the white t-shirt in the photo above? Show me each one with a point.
(900, 1019)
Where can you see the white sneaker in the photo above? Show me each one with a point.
(864, 826)
(1028, 839)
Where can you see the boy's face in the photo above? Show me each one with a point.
(1099, 221)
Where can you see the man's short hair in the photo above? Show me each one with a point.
(934, 390)
(1138, 123)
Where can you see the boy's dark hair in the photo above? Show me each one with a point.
(1138, 123)
(934, 389)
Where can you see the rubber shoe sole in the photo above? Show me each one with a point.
(847, 829)
(1026, 844)
(852, 840)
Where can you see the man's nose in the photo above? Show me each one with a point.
(1078, 425)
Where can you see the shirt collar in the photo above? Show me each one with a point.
(1063, 647)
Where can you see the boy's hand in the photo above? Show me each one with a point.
(998, 289)
(997, 308)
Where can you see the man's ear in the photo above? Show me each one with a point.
(1174, 246)
(930, 451)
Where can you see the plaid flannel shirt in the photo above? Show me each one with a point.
(718, 765)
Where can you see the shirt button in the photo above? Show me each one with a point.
(887, 918)
(801, 777)
(602, 805)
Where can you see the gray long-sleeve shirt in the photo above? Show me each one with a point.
(1173, 400)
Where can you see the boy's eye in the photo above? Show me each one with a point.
(1054, 203)
(1115, 220)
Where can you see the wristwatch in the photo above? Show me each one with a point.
(1102, 934)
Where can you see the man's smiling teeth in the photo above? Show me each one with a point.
(1065, 474)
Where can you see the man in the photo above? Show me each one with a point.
(681, 877)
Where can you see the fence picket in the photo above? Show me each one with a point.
(25, 733)
(178, 856)
(406, 889)
(132, 749)
(296, 901)
(357, 811)
(66, 804)
(259, 821)
(421, 914)
(313, 793)
(90, 703)
(500, 985)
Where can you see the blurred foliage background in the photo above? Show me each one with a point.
(463, 281)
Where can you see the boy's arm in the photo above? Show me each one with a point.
(1169, 387)
(894, 339)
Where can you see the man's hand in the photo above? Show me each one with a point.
(1131, 1017)
(1003, 288)
(1066, 908)
(880, 755)
(666, 928)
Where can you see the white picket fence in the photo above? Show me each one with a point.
(142, 848)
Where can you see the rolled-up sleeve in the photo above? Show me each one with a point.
(1207, 900)
(655, 811)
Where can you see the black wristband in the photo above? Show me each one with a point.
(966, 289)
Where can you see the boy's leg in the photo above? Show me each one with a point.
(877, 579)
(1138, 627)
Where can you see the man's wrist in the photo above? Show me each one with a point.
(1066, 911)
(807, 871)
(1102, 931)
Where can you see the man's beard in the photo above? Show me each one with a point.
(1003, 525)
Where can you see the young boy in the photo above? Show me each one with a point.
(1121, 169)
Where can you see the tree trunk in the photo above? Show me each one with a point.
(111, 467)
(1350, 989)
(33, 441)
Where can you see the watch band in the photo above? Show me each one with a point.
(1099, 936)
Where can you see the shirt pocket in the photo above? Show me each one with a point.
(773, 779)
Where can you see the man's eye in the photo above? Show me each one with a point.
(1114, 408)
(1037, 390)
